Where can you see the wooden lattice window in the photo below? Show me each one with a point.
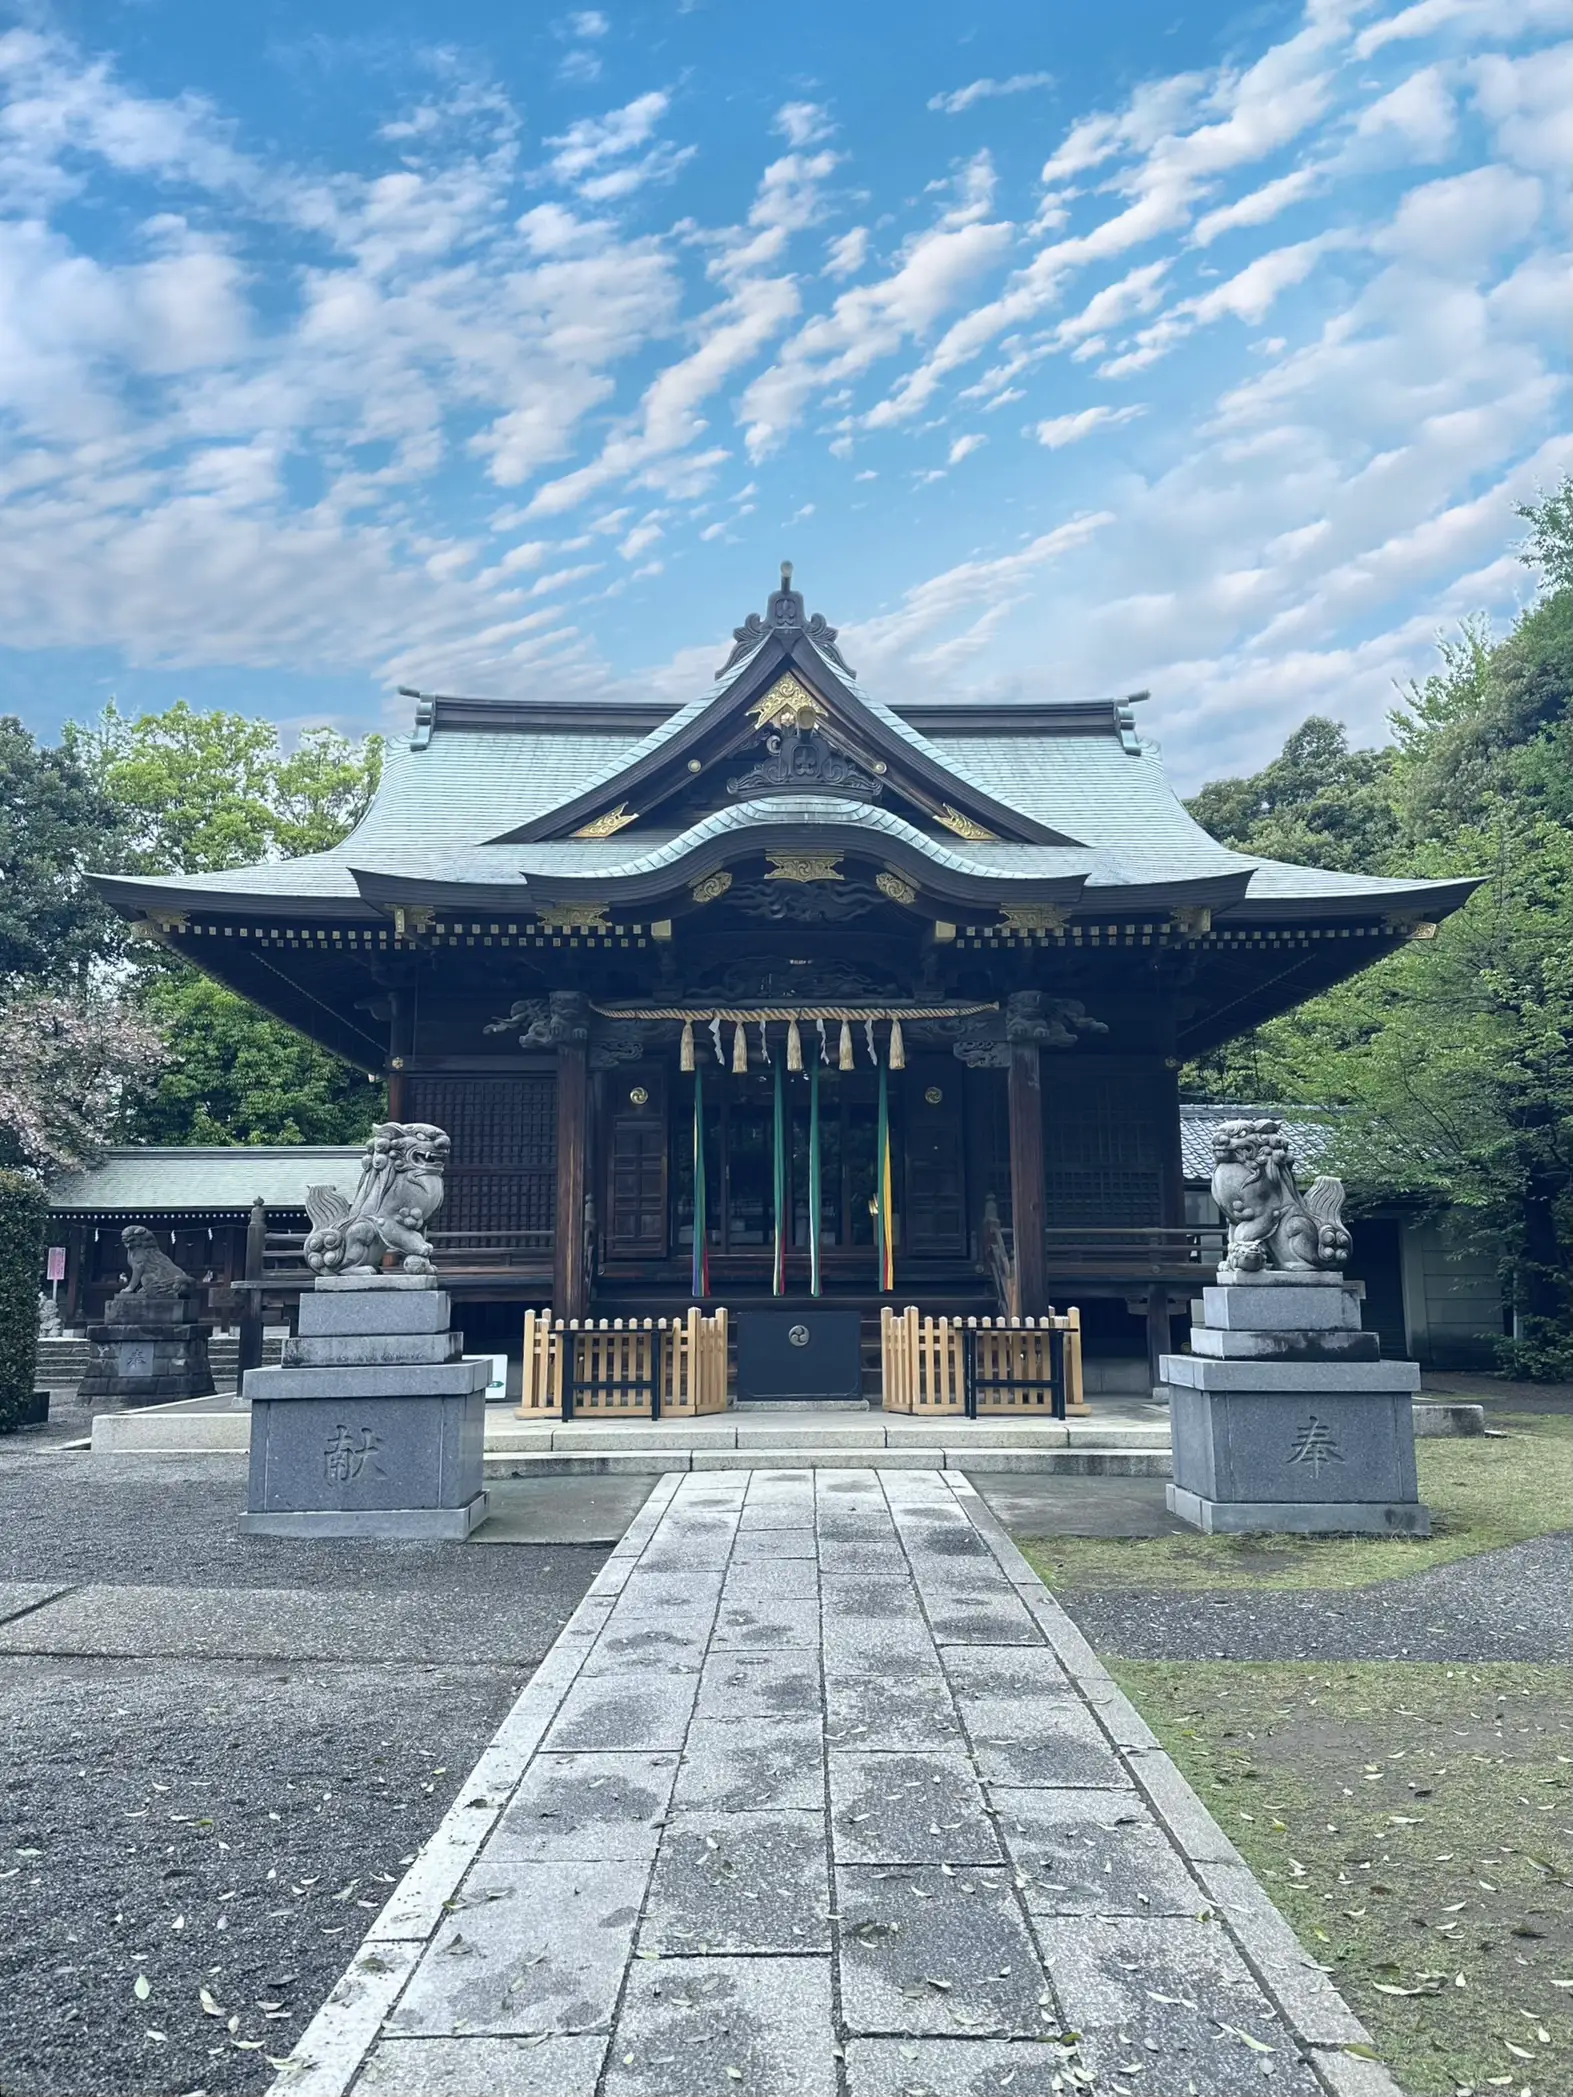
(502, 1169)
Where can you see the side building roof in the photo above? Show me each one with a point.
(154, 1178)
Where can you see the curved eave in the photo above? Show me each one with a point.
(139, 896)
(1430, 900)
(943, 873)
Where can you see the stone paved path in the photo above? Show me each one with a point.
(821, 1795)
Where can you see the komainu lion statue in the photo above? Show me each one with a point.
(1271, 1224)
(400, 1190)
(153, 1272)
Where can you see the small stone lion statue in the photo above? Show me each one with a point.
(153, 1272)
(400, 1190)
(1271, 1224)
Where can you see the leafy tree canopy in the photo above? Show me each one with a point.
(1451, 1059)
(84, 1010)
(199, 792)
(56, 824)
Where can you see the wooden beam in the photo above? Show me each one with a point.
(570, 1281)
(1026, 1180)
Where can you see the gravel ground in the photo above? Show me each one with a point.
(222, 1752)
(1511, 1604)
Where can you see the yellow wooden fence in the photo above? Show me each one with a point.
(626, 1369)
(925, 1363)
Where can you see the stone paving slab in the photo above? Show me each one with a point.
(863, 1817)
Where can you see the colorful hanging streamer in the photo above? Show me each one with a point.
(815, 1188)
(883, 1217)
(779, 1176)
(701, 1262)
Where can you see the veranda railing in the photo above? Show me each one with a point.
(975, 1367)
(633, 1369)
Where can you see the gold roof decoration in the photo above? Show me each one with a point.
(588, 916)
(788, 704)
(1034, 917)
(709, 886)
(963, 825)
(892, 885)
(804, 866)
(608, 825)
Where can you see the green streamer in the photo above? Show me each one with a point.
(814, 1186)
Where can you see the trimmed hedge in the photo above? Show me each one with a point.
(24, 1214)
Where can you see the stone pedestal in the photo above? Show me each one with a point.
(1285, 1417)
(150, 1350)
(374, 1423)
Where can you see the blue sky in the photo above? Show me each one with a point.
(508, 349)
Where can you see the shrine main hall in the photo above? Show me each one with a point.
(790, 991)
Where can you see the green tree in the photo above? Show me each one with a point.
(1318, 803)
(1452, 1059)
(24, 1212)
(198, 793)
(240, 1077)
(56, 825)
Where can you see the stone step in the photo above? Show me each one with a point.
(198, 1427)
(1086, 1463)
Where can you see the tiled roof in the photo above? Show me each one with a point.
(156, 1177)
(1310, 1135)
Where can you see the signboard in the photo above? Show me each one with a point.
(55, 1271)
(497, 1389)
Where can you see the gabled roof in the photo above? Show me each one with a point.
(483, 803)
(786, 670)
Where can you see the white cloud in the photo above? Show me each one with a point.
(1257, 206)
(1419, 114)
(1061, 430)
(962, 98)
(247, 409)
(1464, 220)
(1526, 101)
(586, 150)
(802, 123)
(847, 253)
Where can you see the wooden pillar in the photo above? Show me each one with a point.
(1026, 1179)
(249, 1349)
(570, 1280)
(1158, 1335)
(401, 1034)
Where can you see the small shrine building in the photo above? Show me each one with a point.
(791, 990)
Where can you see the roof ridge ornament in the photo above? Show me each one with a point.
(784, 614)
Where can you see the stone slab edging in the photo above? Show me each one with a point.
(329, 2052)
(1310, 2005)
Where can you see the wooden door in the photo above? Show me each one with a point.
(935, 1222)
(636, 1155)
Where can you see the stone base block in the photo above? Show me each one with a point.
(1452, 1416)
(399, 1525)
(1299, 1448)
(147, 1364)
(1299, 1344)
(1260, 1307)
(337, 1313)
(355, 1454)
(1298, 1518)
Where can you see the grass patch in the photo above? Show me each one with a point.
(1482, 1492)
(1410, 1820)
